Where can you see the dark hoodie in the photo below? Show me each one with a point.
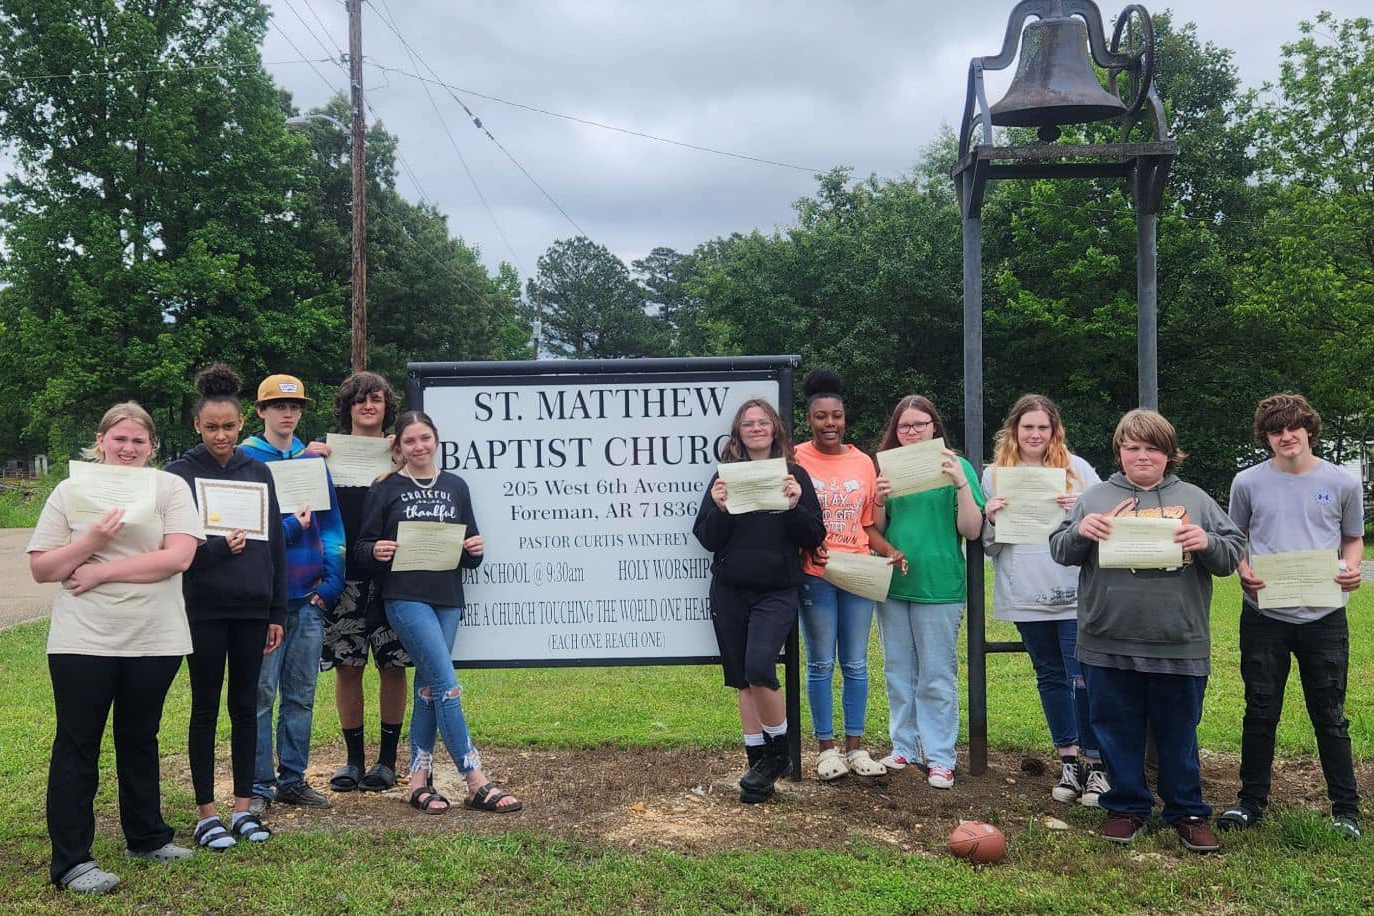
(761, 550)
(1148, 613)
(221, 585)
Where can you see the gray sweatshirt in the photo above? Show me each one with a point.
(1148, 613)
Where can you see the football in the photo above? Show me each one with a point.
(981, 844)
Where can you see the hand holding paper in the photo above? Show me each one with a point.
(1298, 578)
(915, 468)
(97, 488)
(1140, 543)
(356, 461)
(754, 486)
(860, 574)
(300, 483)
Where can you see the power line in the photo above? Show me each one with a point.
(323, 28)
(142, 71)
(311, 32)
(334, 90)
(451, 139)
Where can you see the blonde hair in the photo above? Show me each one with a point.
(129, 410)
(1007, 448)
(1149, 427)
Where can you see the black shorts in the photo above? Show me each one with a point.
(751, 630)
(348, 635)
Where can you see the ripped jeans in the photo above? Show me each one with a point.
(428, 632)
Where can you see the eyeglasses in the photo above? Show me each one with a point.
(909, 428)
(756, 424)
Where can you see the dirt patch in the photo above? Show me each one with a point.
(686, 800)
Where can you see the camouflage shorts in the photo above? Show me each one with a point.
(347, 636)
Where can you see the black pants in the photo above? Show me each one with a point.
(84, 688)
(240, 643)
(1322, 648)
(751, 629)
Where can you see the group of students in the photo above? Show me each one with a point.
(1121, 656)
(316, 593)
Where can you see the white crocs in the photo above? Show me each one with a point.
(861, 762)
(830, 765)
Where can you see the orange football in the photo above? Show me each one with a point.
(981, 844)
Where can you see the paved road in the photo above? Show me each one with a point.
(21, 598)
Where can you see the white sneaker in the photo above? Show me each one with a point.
(894, 761)
(1070, 784)
(1094, 787)
(941, 777)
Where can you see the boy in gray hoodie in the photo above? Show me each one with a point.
(1144, 639)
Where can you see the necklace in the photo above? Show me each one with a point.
(423, 486)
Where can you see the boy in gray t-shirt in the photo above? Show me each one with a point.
(1295, 501)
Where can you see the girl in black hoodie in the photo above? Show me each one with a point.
(236, 603)
(756, 575)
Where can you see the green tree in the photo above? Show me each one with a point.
(591, 308)
(148, 224)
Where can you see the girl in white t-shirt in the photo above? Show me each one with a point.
(118, 634)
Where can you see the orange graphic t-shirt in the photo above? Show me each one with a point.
(844, 485)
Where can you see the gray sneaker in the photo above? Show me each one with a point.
(1346, 826)
(300, 793)
(167, 852)
(258, 805)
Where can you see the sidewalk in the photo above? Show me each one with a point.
(25, 599)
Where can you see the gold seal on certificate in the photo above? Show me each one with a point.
(428, 547)
(754, 486)
(915, 468)
(1032, 511)
(859, 574)
(97, 488)
(1298, 578)
(300, 482)
(356, 461)
(1140, 543)
(231, 505)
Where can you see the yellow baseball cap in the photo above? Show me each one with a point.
(282, 388)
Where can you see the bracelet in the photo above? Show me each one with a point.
(964, 487)
(879, 503)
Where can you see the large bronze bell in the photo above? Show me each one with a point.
(1055, 82)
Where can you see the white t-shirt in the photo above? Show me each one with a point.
(125, 619)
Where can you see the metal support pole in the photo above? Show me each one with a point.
(1147, 294)
(355, 71)
(973, 448)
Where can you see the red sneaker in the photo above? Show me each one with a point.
(1122, 828)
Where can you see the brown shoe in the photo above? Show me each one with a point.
(1122, 828)
(1196, 835)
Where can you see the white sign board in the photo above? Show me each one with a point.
(585, 489)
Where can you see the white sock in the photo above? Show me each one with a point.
(774, 731)
(223, 842)
(754, 739)
(238, 816)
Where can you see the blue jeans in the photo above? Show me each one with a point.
(1063, 692)
(291, 671)
(831, 617)
(428, 632)
(921, 663)
(1123, 703)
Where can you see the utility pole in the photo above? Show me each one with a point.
(355, 78)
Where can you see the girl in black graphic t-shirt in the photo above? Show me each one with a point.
(424, 607)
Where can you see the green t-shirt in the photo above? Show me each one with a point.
(922, 526)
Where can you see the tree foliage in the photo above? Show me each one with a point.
(591, 308)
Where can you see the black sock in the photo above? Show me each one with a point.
(391, 736)
(353, 741)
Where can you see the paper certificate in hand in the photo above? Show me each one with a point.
(859, 574)
(754, 486)
(230, 505)
(94, 489)
(1298, 578)
(1031, 512)
(915, 468)
(300, 482)
(356, 461)
(1141, 543)
(428, 546)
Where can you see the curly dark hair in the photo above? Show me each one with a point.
(822, 383)
(216, 383)
(356, 388)
(1288, 410)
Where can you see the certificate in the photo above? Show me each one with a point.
(1298, 578)
(1140, 543)
(428, 546)
(356, 461)
(915, 468)
(754, 486)
(859, 574)
(231, 505)
(1032, 511)
(97, 488)
(300, 482)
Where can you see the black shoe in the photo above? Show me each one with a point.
(301, 794)
(755, 753)
(1238, 817)
(775, 761)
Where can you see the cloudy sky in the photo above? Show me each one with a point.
(807, 85)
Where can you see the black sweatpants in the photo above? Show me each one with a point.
(215, 642)
(85, 688)
(751, 630)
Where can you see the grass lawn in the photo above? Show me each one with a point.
(1292, 863)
